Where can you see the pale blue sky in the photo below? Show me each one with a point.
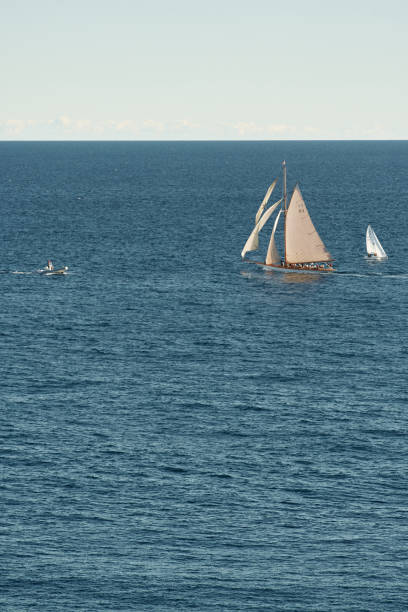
(178, 69)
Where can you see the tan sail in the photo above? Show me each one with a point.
(265, 200)
(272, 256)
(303, 243)
(252, 243)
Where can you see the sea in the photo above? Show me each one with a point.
(181, 430)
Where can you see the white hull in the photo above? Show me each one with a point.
(54, 272)
(376, 257)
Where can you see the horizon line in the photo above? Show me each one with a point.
(21, 140)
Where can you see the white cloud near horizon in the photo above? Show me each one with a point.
(69, 128)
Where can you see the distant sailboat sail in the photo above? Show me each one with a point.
(252, 243)
(374, 248)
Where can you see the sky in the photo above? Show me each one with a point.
(203, 70)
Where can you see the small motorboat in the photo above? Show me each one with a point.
(49, 269)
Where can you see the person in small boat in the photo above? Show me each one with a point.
(50, 266)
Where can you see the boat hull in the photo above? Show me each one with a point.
(288, 268)
(54, 272)
(373, 257)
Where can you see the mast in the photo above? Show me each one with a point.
(284, 205)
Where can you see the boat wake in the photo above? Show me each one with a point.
(62, 272)
(371, 274)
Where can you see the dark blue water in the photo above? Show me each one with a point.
(181, 431)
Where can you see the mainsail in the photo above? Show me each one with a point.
(265, 201)
(272, 256)
(373, 244)
(253, 241)
(303, 243)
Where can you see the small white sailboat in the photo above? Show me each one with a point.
(374, 248)
(304, 251)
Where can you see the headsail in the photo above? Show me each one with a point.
(272, 256)
(265, 200)
(253, 241)
(373, 244)
(303, 243)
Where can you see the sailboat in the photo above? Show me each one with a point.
(304, 250)
(374, 248)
